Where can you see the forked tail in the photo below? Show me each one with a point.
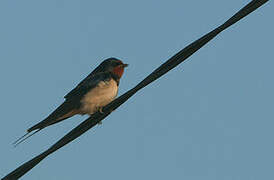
(24, 137)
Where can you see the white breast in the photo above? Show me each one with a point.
(99, 96)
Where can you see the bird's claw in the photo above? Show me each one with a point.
(101, 110)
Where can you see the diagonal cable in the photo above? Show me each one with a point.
(164, 68)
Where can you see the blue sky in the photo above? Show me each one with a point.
(210, 118)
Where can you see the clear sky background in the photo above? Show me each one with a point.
(210, 118)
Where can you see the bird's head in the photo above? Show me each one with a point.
(112, 65)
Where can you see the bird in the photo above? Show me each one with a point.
(97, 90)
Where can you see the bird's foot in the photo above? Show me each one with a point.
(101, 110)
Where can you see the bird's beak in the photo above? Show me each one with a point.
(125, 65)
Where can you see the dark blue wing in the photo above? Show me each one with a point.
(86, 85)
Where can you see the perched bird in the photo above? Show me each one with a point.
(97, 90)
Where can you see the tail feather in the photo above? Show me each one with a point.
(15, 142)
(64, 111)
(24, 137)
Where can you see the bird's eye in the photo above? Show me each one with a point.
(117, 63)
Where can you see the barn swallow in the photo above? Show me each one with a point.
(97, 90)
